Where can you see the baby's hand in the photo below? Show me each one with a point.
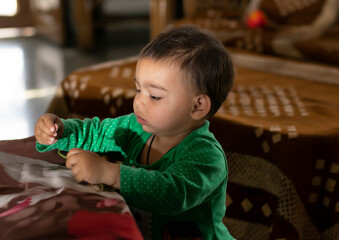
(90, 167)
(48, 129)
(87, 166)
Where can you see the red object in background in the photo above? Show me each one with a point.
(256, 19)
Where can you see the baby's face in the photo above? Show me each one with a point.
(164, 99)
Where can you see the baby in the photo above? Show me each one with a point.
(173, 167)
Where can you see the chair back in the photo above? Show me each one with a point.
(228, 8)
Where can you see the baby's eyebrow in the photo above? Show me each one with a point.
(157, 87)
(152, 85)
(136, 82)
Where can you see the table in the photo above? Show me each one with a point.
(40, 199)
(280, 134)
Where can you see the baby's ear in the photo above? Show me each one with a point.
(201, 106)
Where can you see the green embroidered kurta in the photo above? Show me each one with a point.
(187, 184)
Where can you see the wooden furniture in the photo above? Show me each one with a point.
(50, 20)
(164, 12)
(78, 22)
(88, 17)
(23, 18)
(300, 29)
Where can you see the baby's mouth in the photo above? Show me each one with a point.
(141, 120)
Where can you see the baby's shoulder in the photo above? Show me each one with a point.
(201, 147)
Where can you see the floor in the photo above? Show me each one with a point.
(32, 67)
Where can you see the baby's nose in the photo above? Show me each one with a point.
(139, 102)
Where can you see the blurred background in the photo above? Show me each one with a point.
(42, 41)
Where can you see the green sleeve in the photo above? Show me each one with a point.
(198, 173)
(94, 135)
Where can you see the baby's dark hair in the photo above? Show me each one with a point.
(201, 56)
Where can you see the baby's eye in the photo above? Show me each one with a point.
(137, 90)
(155, 98)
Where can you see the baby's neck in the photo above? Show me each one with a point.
(159, 146)
(169, 141)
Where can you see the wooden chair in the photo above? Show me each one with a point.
(164, 12)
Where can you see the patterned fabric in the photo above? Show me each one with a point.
(41, 200)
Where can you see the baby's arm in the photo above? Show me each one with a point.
(48, 129)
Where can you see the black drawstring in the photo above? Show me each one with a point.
(149, 148)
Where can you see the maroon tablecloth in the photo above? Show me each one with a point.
(42, 200)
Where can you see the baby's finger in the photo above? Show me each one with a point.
(70, 162)
(49, 123)
(74, 151)
(56, 130)
(75, 169)
(43, 137)
(72, 158)
(42, 129)
(79, 178)
(78, 174)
